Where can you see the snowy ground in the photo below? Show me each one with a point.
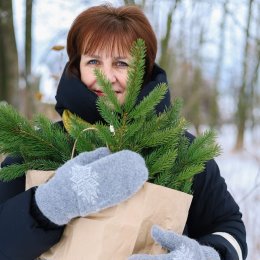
(242, 173)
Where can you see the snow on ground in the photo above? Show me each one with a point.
(241, 171)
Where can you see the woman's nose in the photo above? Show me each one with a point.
(109, 73)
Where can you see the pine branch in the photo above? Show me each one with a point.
(83, 133)
(133, 129)
(171, 116)
(163, 162)
(135, 75)
(72, 121)
(52, 133)
(189, 172)
(11, 125)
(104, 134)
(107, 114)
(149, 102)
(162, 137)
(14, 171)
(203, 148)
(18, 136)
(164, 179)
(110, 99)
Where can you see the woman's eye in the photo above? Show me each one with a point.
(122, 64)
(93, 62)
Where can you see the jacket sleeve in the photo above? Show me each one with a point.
(214, 218)
(23, 234)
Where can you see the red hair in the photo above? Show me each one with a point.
(110, 28)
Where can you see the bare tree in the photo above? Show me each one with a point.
(129, 2)
(196, 84)
(28, 37)
(8, 55)
(254, 94)
(214, 110)
(243, 98)
(164, 58)
(197, 89)
(28, 106)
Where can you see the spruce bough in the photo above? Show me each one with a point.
(171, 159)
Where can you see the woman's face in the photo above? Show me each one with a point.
(114, 67)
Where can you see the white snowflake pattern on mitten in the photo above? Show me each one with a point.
(85, 183)
(183, 252)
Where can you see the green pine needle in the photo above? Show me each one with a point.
(110, 98)
(135, 74)
(149, 102)
(107, 114)
(14, 171)
(163, 163)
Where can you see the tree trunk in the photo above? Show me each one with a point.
(254, 93)
(129, 2)
(195, 89)
(28, 37)
(29, 106)
(164, 58)
(197, 79)
(243, 102)
(8, 56)
(214, 109)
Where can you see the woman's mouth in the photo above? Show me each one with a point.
(99, 93)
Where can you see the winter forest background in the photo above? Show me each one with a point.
(209, 48)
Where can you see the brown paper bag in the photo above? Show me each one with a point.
(118, 232)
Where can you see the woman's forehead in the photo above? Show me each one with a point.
(111, 45)
(107, 51)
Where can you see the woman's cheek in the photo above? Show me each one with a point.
(123, 80)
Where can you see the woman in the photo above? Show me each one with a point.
(31, 222)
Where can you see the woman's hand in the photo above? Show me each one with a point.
(179, 247)
(90, 182)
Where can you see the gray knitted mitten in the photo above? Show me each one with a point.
(90, 182)
(179, 247)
